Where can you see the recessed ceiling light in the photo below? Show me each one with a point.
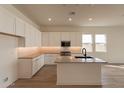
(70, 19)
(90, 19)
(49, 19)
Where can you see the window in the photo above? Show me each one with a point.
(100, 43)
(87, 42)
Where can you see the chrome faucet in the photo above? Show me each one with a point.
(84, 53)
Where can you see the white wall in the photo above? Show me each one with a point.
(8, 59)
(115, 38)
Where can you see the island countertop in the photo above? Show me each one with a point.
(72, 59)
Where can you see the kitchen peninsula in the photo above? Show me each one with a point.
(78, 71)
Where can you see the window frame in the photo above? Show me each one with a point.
(105, 44)
(93, 45)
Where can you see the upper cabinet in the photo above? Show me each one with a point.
(45, 39)
(28, 41)
(50, 39)
(38, 38)
(54, 38)
(20, 27)
(7, 22)
(36, 34)
(12, 25)
(65, 36)
(78, 39)
(73, 38)
(32, 36)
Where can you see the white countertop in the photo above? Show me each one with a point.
(71, 59)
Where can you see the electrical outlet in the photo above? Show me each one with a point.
(5, 79)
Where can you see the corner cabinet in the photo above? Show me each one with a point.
(29, 67)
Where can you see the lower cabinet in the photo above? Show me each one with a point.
(49, 59)
(28, 67)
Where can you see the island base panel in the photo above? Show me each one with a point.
(78, 74)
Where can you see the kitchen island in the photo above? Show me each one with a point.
(78, 71)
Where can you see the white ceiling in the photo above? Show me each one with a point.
(103, 15)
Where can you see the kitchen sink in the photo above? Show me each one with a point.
(83, 57)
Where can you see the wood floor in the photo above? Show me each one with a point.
(112, 76)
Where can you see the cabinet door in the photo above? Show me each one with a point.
(42, 60)
(45, 39)
(79, 39)
(34, 67)
(54, 38)
(20, 27)
(38, 62)
(7, 22)
(38, 38)
(65, 36)
(76, 38)
(28, 42)
(73, 38)
(33, 37)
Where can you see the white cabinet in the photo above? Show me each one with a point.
(20, 27)
(28, 67)
(45, 39)
(79, 39)
(50, 58)
(50, 39)
(75, 38)
(41, 38)
(65, 36)
(38, 38)
(10, 24)
(54, 39)
(7, 22)
(32, 36)
(37, 64)
(28, 42)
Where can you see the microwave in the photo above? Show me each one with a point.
(65, 43)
